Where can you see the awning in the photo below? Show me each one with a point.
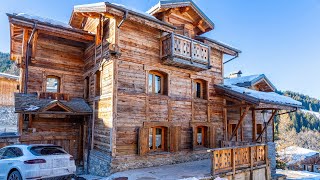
(31, 104)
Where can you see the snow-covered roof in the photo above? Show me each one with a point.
(43, 20)
(9, 76)
(257, 96)
(294, 154)
(247, 81)
(225, 45)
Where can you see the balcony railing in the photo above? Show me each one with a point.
(231, 159)
(53, 96)
(184, 52)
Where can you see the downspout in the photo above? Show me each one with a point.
(237, 55)
(123, 19)
(27, 58)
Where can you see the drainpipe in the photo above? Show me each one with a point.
(237, 55)
(27, 58)
(123, 19)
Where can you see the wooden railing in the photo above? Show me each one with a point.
(185, 48)
(231, 159)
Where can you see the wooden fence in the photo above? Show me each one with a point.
(231, 159)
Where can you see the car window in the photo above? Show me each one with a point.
(47, 150)
(12, 152)
(2, 150)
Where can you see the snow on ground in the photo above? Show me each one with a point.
(316, 114)
(184, 171)
(296, 175)
(294, 154)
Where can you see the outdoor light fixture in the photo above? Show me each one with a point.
(264, 113)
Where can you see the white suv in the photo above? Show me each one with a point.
(38, 161)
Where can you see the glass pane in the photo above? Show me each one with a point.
(157, 88)
(158, 138)
(150, 138)
(150, 83)
(199, 136)
(198, 90)
(52, 84)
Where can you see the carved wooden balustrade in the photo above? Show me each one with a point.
(231, 159)
(184, 52)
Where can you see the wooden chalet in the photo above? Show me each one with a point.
(122, 89)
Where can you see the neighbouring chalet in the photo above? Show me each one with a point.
(121, 89)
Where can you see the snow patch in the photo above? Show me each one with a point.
(294, 154)
(316, 114)
(31, 108)
(299, 174)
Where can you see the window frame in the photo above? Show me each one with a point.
(58, 85)
(203, 88)
(204, 136)
(163, 131)
(153, 86)
(87, 87)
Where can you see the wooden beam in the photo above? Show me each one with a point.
(254, 126)
(34, 45)
(184, 9)
(240, 122)
(264, 129)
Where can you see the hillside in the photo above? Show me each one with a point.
(6, 65)
(301, 128)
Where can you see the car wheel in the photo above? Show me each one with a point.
(14, 175)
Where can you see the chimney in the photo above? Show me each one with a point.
(235, 74)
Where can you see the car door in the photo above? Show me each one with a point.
(8, 158)
(3, 166)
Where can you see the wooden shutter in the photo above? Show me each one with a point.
(143, 141)
(175, 138)
(212, 137)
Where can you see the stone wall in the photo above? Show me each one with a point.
(8, 119)
(99, 163)
(272, 157)
(8, 140)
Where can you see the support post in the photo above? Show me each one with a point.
(264, 129)
(240, 122)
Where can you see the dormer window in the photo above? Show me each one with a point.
(53, 84)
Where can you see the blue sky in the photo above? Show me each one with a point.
(278, 38)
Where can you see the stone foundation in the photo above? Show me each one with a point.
(99, 163)
(8, 119)
(272, 157)
(124, 163)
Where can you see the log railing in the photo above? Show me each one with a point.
(175, 45)
(53, 96)
(231, 159)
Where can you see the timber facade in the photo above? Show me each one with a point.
(120, 89)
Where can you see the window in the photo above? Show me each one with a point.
(157, 83)
(12, 152)
(47, 150)
(259, 128)
(201, 136)
(156, 138)
(86, 87)
(200, 89)
(53, 84)
(98, 83)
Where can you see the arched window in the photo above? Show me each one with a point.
(200, 89)
(157, 83)
(53, 84)
(157, 138)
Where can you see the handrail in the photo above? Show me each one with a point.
(232, 159)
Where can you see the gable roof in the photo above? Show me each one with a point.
(248, 81)
(180, 3)
(256, 97)
(30, 103)
(119, 10)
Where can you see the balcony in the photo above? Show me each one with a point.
(184, 52)
(230, 160)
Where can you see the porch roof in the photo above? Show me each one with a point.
(31, 104)
(256, 97)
